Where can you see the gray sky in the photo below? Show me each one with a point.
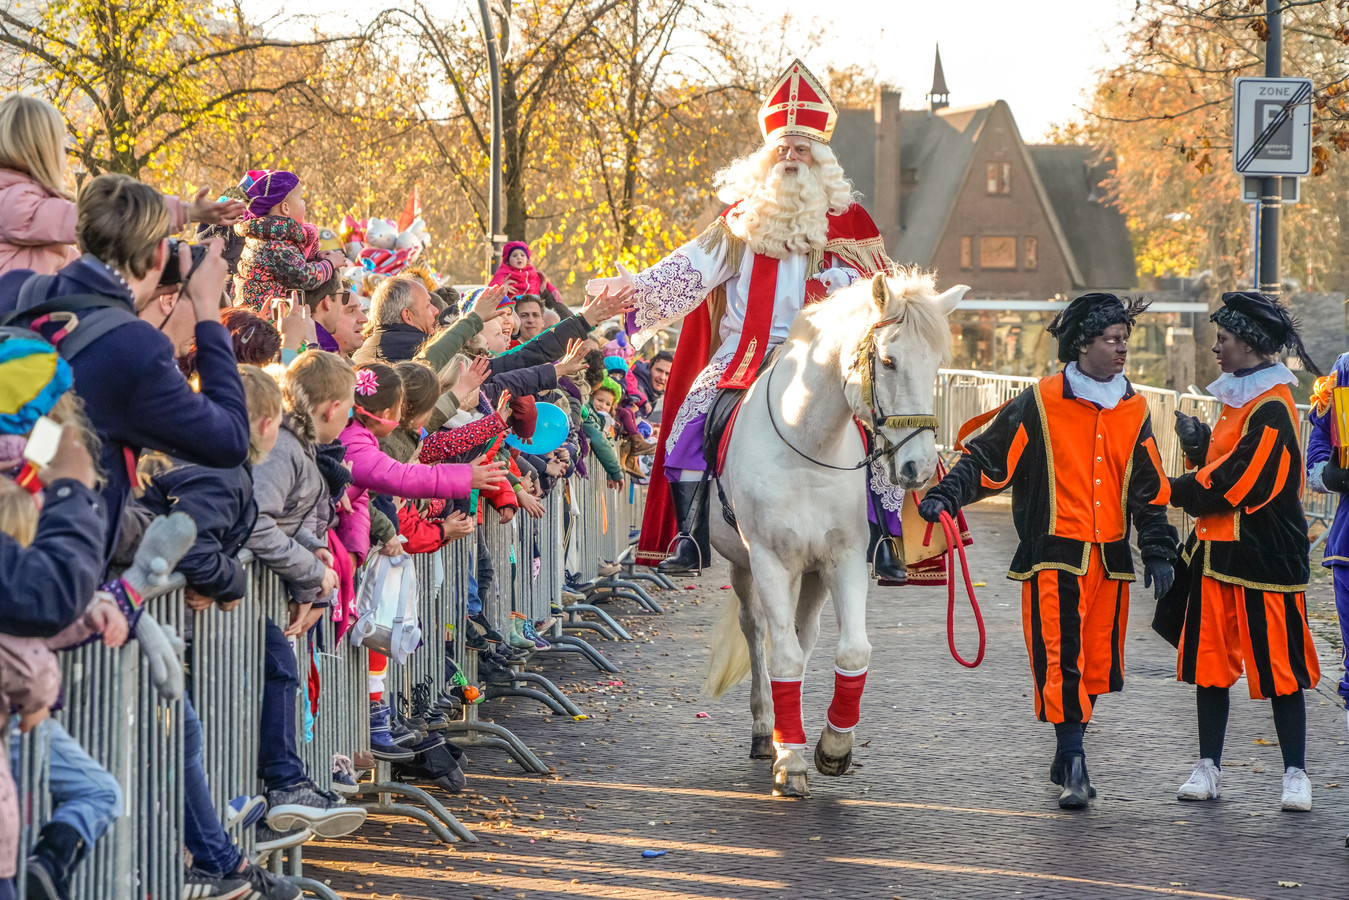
(1038, 55)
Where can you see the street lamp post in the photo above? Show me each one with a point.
(494, 236)
(1271, 186)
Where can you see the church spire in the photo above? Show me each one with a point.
(939, 96)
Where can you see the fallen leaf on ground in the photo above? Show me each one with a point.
(1290, 884)
(1264, 743)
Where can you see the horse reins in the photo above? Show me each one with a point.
(865, 362)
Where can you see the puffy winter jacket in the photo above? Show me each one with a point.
(275, 261)
(374, 470)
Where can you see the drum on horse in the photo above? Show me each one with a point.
(868, 353)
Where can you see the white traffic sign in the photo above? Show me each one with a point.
(1272, 126)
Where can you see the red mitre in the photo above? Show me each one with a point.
(798, 104)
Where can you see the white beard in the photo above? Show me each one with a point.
(785, 214)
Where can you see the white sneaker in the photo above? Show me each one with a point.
(1205, 782)
(1297, 790)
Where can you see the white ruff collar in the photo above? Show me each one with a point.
(1237, 392)
(1107, 394)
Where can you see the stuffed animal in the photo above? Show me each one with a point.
(381, 233)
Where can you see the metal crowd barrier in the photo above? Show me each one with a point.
(114, 712)
(120, 720)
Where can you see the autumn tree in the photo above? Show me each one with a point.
(1166, 113)
(132, 75)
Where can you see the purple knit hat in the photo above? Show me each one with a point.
(266, 188)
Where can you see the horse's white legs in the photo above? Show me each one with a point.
(775, 592)
(813, 595)
(848, 582)
(760, 693)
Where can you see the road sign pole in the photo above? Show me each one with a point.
(1271, 190)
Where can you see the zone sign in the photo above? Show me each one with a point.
(1272, 126)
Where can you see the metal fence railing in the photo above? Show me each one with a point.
(114, 712)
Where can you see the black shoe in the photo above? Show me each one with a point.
(887, 563)
(58, 850)
(1056, 774)
(1076, 784)
(482, 626)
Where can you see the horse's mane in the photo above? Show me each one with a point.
(913, 295)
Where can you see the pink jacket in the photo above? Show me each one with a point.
(374, 470)
(37, 227)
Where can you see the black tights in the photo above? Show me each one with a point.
(1290, 723)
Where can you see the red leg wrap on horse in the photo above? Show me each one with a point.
(787, 727)
(846, 707)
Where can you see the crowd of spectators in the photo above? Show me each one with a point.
(168, 404)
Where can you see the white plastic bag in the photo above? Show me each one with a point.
(386, 607)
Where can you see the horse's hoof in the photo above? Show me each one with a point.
(828, 765)
(761, 746)
(790, 784)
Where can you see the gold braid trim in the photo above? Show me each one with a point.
(867, 257)
(717, 235)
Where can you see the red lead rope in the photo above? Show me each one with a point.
(954, 545)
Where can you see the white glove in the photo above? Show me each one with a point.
(834, 278)
(1314, 478)
(624, 278)
(161, 647)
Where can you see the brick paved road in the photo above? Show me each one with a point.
(949, 797)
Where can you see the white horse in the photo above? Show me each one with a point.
(872, 349)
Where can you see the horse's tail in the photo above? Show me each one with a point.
(729, 662)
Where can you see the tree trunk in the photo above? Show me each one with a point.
(513, 155)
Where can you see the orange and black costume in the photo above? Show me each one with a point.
(1247, 554)
(1078, 473)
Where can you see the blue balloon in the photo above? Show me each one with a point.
(615, 363)
(550, 430)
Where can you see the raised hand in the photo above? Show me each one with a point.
(488, 475)
(215, 212)
(504, 404)
(486, 305)
(470, 380)
(573, 361)
(611, 301)
(624, 278)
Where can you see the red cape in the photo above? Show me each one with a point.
(853, 236)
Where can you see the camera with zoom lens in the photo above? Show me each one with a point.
(172, 274)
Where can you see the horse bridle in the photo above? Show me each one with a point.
(865, 362)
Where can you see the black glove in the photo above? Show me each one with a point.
(1333, 477)
(1159, 575)
(1194, 437)
(933, 505)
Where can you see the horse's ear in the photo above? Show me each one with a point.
(880, 291)
(952, 296)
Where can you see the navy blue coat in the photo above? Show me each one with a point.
(135, 395)
(221, 502)
(48, 584)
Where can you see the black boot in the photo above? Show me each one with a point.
(692, 549)
(1076, 784)
(887, 563)
(58, 850)
(1056, 774)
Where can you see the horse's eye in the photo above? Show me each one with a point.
(888, 362)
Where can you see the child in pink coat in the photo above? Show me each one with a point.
(379, 401)
(519, 276)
